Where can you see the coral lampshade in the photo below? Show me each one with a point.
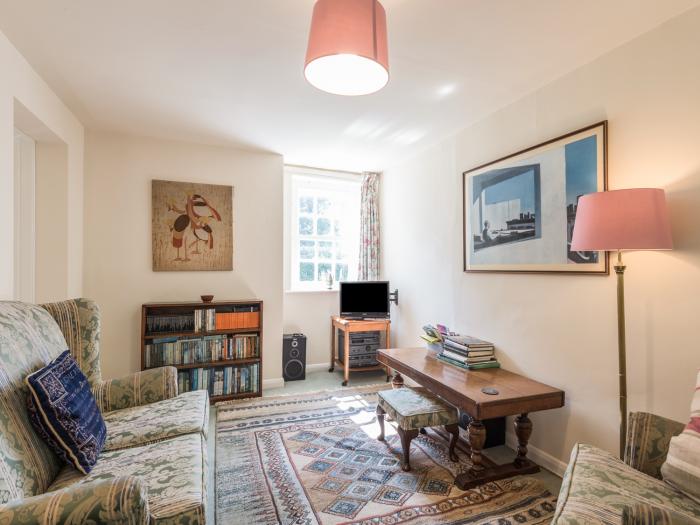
(347, 52)
(632, 219)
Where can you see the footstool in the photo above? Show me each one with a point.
(414, 409)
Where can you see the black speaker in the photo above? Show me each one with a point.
(294, 357)
(495, 429)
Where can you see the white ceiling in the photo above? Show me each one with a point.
(230, 71)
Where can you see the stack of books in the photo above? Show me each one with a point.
(468, 352)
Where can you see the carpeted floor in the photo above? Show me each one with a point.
(313, 458)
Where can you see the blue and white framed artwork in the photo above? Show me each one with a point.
(520, 211)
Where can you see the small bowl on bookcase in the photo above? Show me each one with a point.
(207, 298)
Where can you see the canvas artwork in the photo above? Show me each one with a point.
(519, 211)
(192, 226)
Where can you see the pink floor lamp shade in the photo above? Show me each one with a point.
(631, 219)
(348, 52)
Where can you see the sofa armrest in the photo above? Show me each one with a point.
(645, 514)
(648, 438)
(122, 500)
(141, 388)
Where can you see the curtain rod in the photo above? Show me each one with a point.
(321, 169)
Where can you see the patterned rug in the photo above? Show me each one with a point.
(314, 459)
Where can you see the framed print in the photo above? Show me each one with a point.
(192, 226)
(519, 211)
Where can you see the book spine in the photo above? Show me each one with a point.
(453, 355)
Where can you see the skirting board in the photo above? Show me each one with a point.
(276, 382)
(316, 367)
(540, 457)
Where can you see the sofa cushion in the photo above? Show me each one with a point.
(597, 486)
(29, 338)
(682, 466)
(643, 514)
(187, 413)
(79, 320)
(64, 412)
(174, 471)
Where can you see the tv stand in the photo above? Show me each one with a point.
(347, 326)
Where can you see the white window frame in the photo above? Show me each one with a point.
(297, 180)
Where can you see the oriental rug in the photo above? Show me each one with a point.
(314, 459)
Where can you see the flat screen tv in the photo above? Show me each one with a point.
(364, 299)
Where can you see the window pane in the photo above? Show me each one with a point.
(341, 272)
(306, 226)
(306, 204)
(324, 205)
(325, 250)
(340, 253)
(338, 229)
(306, 271)
(306, 250)
(323, 226)
(323, 269)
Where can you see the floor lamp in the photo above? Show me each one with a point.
(632, 219)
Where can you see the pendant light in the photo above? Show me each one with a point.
(347, 52)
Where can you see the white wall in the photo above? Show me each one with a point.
(21, 87)
(561, 329)
(310, 313)
(118, 266)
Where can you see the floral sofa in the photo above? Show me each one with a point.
(153, 466)
(599, 488)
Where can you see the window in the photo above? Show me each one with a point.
(323, 229)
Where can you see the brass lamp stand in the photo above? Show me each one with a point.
(621, 350)
(631, 219)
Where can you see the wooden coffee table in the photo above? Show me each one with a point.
(515, 395)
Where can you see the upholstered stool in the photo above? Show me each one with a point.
(413, 409)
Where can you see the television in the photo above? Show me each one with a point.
(364, 299)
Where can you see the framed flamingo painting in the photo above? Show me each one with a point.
(192, 226)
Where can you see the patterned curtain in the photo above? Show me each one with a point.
(368, 269)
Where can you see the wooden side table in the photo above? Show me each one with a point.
(348, 326)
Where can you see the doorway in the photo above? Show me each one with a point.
(25, 217)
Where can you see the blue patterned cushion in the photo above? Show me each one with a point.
(64, 412)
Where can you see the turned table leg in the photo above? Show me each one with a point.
(397, 382)
(523, 430)
(380, 420)
(477, 438)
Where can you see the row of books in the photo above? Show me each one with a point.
(204, 320)
(461, 350)
(221, 381)
(169, 323)
(237, 320)
(174, 351)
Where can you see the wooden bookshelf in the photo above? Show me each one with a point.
(166, 347)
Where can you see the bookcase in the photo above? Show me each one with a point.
(216, 346)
